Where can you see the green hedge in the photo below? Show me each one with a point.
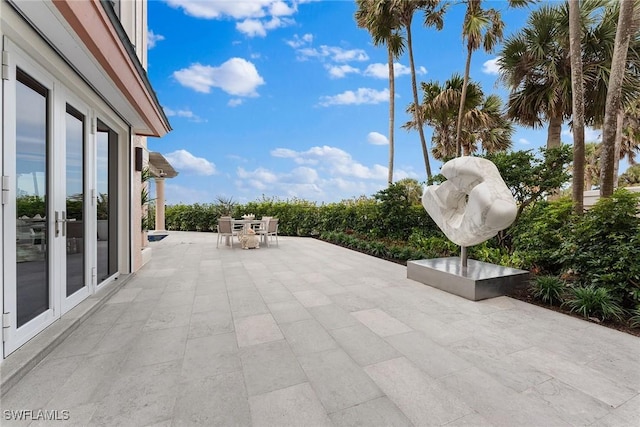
(298, 217)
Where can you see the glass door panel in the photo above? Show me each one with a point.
(106, 212)
(75, 176)
(32, 151)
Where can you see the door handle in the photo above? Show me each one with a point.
(61, 223)
(57, 223)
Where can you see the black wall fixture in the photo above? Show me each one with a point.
(139, 159)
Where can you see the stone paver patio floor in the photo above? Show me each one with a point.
(311, 334)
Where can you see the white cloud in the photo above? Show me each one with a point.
(491, 66)
(340, 71)
(260, 178)
(280, 8)
(320, 173)
(256, 16)
(259, 28)
(188, 114)
(381, 71)
(236, 76)
(376, 138)
(361, 96)
(182, 160)
(153, 38)
(333, 159)
(219, 9)
(252, 28)
(524, 141)
(298, 41)
(333, 53)
(234, 102)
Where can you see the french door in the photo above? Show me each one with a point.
(45, 170)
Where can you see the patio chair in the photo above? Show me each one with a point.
(225, 229)
(263, 223)
(270, 231)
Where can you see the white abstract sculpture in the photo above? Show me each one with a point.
(473, 204)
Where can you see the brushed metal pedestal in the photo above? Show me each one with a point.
(478, 281)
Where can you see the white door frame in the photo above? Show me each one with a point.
(66, 97)
(14, 337)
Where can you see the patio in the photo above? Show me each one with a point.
(313, 334)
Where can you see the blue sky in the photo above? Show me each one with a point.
(290, 99)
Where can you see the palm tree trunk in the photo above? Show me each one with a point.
(463, 99)
(617, 152)
(553, 141)
(416, 103)
(577, 88)
(588, 179)
(613, 104)
(553, 134)
(392, 107)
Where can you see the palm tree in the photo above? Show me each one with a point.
(577, 91)
(480, 27)
(631, 177)
(535, 65)
(627, 26)
(592, 165)
(404, 10)
(532, 64)
(383, 26)
(483, 120)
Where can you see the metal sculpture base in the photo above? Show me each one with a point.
(478, 281)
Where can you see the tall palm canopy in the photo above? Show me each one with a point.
(484, 124)
(384, 28)
(404, 10)
(480, 28)
(534, 64)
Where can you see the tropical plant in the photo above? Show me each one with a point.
(483, 120)
(539, 233)
(603, 248)
(592, 165)
(628, 21)
(634, 320)
(630, 178)
(548, 289)
(535, 66)
(383, 26)
(145, 176)
(480, 27)
(531, 177)
(224, 206)
(591, 301)
(577, 95)
(404, 11)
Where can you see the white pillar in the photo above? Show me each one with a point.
(159, 204)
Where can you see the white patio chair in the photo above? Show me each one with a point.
(270, 231)
(225, 229)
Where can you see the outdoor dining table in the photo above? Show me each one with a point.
(246, 224)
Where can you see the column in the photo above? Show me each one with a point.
(159, 204)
